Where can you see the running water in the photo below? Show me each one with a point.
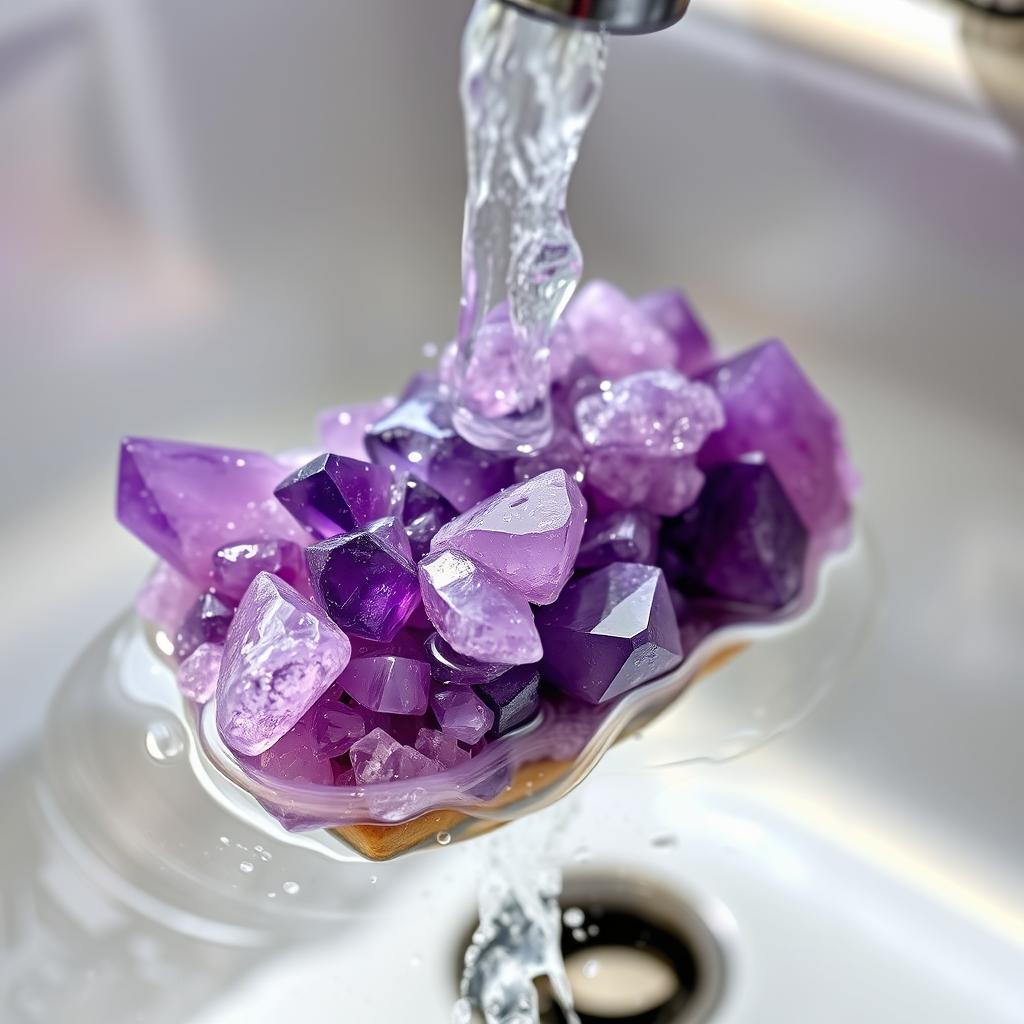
(529, 88)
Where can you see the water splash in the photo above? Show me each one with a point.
(529, 89)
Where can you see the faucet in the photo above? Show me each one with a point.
(621, 17)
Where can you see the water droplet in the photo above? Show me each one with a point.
(429, 350)
(290, 888)
(591, 969)
(443, 838)
(664, 842)
(271, 895)
(224, 841)
(592, 930)
(579, 935)
(245, 867)
(373, 879)
(165, 741)
(573, 917)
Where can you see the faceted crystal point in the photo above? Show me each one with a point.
(336, 727)
(626, 535)
(424, 511)
(343, 428)
(368, 587)
(742, 542)
(185, 501)
(391, 531)
(476, 612)
(652, 414)
(772, 407)
(461, 714)
(448, 666)
(441, 747)
(616, 334)
(280, 655)
(236, 565)
(166, 598)
(197, 674)
(392, 685)
(618, 478)
(295, 757)
(207, 622)
(610, 632)
(528, 535)
(674, 315)
(418, 437)
(513, 698)
(334, 494)
(372, 757)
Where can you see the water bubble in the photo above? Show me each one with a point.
(579, 935)
(373, 879)
(593, 930)
(246, 867)
(591, 969)
(443, 838)
(224, 841)
(290, 888)
(165, 741)
(430, 350)
(573, 917)
(271, 895)
(264, 855)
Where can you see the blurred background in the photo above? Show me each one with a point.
(217, 219)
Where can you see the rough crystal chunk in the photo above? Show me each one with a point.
(368, 587)
(391, 531)
(280, 655)
(513, 698)
(418, 437)
(609, 632)
(334, 494)
(372, 757)
(296, 757)
(742, 542)
(343, 428)
(461, 714)
(197, 674)
(772, 407)
(626, 535)
(440, 747)
(184, 501)
(528, 535)
(616, 334)
(674, 315)
(618, 479)
(336, 727)
(236, 565)
(424, 511)
(207, 622)
(389, 684)
(476, 612)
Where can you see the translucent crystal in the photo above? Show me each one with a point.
(207, 621)
(198, 673)
(626, 535)
(674, 315)
(441, 747)
(461, 714)
(236, 565)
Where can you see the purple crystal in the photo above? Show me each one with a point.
(652, 414)
(334, 494)
(389, 684)
(513, 698)
(424, 511)
(295, 757)
(674, 315)
(448, 666)
(207, 622)
(480, 615)
(343, 428)
(528, 535)
(742, 542)
(565, 451)
(771, 407)
(616, 334)
(166, 598)
(280, 655)
(440, 747)
(418, 437)
(609, 632)
(368, 587)
(391, 531)
(336, 727)
(197, 674)
(185, 501)
(626, 535)
(372, 757)
(619, 479)
(236, 565)
(461, 714)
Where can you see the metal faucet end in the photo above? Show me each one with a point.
(620, 17)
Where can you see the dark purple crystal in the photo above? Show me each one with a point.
(674, 315)
(424, 511)
(513, 697)
(207, 622)
(236, 565)
(628, 535)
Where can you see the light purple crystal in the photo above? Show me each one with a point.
(626, 535)
(333, 494)
(772, 407)
(615, 333)
(389, 684)
(372, 757)
(197, 674)
(652, 414)
(207, 621)
(166, 598)
(185, 501)
(513, 697)
(280, 655)
(609, 632)
(368, 587)
(476, 612)
(674, 315)
(461, 714)
(236, 565)
(410, 763)
(343, 428)
(528, 535)
(441, 747)
(295, 757)
(336, 727)
(618, 479)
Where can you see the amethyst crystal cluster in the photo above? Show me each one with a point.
(390, 609)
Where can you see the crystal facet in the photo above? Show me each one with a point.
(296, 757)
(392, 685)
(609, 632)
(280, 655)
(674, 315)
(513, 697)
(391, 531)
(618, 478)
(440, 747)
(627, 535)
(424, 511)
(372, 757)
(528, 535)
(742, 542)
(461, 714)
(368, 587)
(479, 614)
(236, 565)
(207, 622)
(334, 494)
(772, 407)
(336, 727)
(197, 674)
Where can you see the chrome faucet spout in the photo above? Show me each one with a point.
(620, 17)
